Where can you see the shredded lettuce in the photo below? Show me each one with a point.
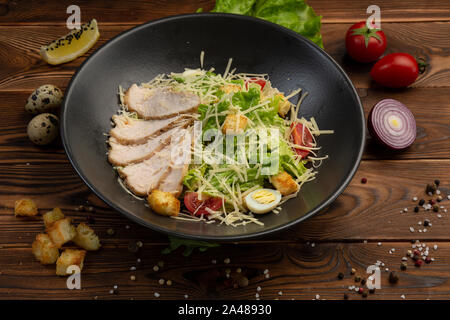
(293, 14)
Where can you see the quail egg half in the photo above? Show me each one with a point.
(262, 200)
(44, 99)
(43, 128)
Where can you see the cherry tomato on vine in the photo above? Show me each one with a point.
(364, 44)
(396, 70)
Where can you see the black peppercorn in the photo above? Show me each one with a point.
(341, 275)
(416, 209)
(437, 182)
(403, 266)
(421, 202)
(431, 188)
(393, 277)
(133, 247)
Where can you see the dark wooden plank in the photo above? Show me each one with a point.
(116, 12)
(21, 67)
(298, 270)
(391, 186)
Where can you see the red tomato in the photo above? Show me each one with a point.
(396, 70)
(261, 82)
(364, 44)
(302, 137)
(194, 205)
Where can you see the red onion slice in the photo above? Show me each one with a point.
(392, 124)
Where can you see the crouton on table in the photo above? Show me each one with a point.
(44, 249)
(61, 231)
(284, 183)
(25, 207)
(164, 203)
(52, 216)
(68, 258)
(86, 238)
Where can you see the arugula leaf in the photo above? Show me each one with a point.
(190, 245)
(293, 14)
(234, 6)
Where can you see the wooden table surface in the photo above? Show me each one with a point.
(303, 261)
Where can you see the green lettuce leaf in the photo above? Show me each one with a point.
(293, 14)
(246, 99)
(234, 6)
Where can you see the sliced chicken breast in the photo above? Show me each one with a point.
(122, 155)
(136, 131)
(159, 103)
(173, 180)
(141, 178)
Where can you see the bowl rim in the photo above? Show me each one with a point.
(179, 234)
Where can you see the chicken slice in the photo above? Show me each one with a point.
(159, 103)
(141, 178)
(136, 131)
(173, 180)
(122, 155)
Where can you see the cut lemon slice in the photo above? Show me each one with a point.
(71, 46)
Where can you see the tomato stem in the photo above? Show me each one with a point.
(421, 62)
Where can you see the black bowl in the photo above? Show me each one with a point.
(256, 46)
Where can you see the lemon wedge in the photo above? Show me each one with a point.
(69, 47)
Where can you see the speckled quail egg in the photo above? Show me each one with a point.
(44, 99)
(43, 128)
(262, 200)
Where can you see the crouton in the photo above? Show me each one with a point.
(44, 249)
(86, 238)
(231, 88)
(284, 105)
(164, 203)
(68, 258)
(284, 183)
(52, 216)
(25, 207)
(234, 124)
(61, 231)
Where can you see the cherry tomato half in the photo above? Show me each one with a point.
(302, 137)
(364, 44)
(198, 207)
(259, 81)
(396, 70)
